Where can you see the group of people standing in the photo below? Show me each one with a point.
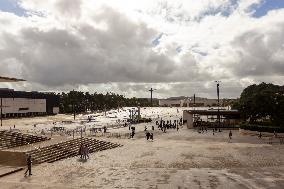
(84, 151)
(149, 135)
(169, 124)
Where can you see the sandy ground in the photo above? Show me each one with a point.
(183, 159)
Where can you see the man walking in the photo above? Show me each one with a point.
(29, 164)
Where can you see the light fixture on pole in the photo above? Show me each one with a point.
(218, 95)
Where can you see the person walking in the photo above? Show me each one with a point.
(81, 151)
(29, 164)
(147, 135)
(230, 135)
(260, 135)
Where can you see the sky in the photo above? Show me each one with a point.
(178, 47)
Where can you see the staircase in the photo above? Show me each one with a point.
(11, 139)
(68, 149)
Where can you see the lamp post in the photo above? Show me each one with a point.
(72, 107)
(72, 93)
(1, 111)
(194, 101)
(218, 92)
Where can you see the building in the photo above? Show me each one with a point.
(188, 102)
(23, 104)
(211, 118)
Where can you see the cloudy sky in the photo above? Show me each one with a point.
(179, 47)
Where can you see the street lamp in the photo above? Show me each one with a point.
(218, 92)
(72, 93)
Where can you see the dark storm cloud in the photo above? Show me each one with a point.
(108, 46)
(85, 54)
(259, 53)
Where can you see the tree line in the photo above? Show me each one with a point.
(262, 104)
(84, 101)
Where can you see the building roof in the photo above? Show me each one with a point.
(9, 79)
(214, 112)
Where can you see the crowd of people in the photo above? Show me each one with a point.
(169, 124)
(163, 125)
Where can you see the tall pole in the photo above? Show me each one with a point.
(73, 103)
(194, 100)
(74, 112)
(1, 111)
(218, 92)
(151, 90)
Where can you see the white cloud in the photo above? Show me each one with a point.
(107, 45)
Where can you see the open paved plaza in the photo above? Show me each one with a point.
(176, 159)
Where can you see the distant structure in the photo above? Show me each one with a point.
(209, 118)
(188, 102)
(24, 104)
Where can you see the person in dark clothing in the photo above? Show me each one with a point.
(29, 164)
(230, 134)
(81, 151)
(153, 128)
(147, 135)
(260, 135)
(132, 132)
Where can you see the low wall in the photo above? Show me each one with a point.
(248, 132)
(8, 158)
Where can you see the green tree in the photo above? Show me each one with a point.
(262, 102)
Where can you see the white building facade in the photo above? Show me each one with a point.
(23, 104)
(188, 102)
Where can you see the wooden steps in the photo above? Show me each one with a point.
(11, 139)
(68, 149)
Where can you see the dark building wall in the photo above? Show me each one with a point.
(52, 100)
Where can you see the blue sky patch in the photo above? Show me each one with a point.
(156, 41)
(12, 7)
(267, 6)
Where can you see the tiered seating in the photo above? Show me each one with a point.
(68, 149)
(11, 139)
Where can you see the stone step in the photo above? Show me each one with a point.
(68, 149)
